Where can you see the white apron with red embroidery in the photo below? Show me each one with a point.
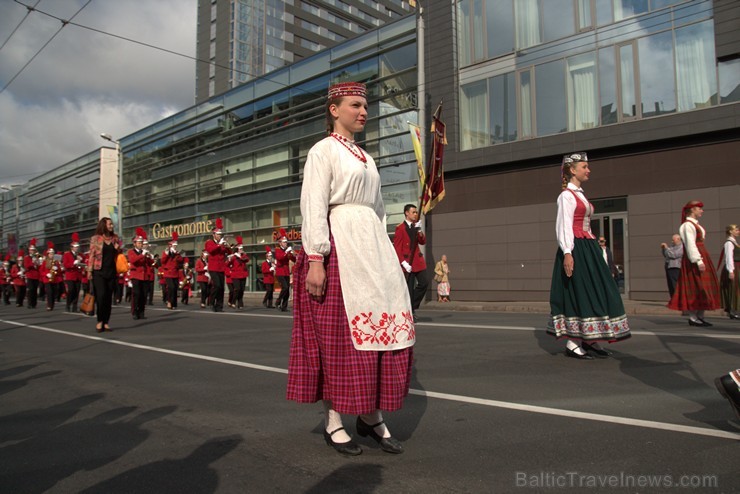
(374, 289)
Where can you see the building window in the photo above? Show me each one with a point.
(474, 116)
(627, 87)
(551, 106)
(657, 84)
(695, 74)
(502, 91)
(729, 81)
(608, 86)
(526, 108)
(527, 14)
(558, 19)
(583, 103)
(629, 8)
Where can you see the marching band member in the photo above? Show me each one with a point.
(217, 249)
(149, 270)
(283, 256)
(186, 280)
(31, 266)
(238, 264)
(202, 277)
(51, 273)
(171, 264)
(268, 277)
(18, 277)
(5, 280)
(74, 267)
(162, 282)
(139, 262)
(229, 285)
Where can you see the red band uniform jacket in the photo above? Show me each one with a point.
(402, 244)
(282, 262)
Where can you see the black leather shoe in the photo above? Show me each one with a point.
(696, 323)
(705, 323)
(572, 354)
(387, 444)
(350, 448)
(600, 352)
(727, 388)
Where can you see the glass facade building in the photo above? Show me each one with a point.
(239, 156)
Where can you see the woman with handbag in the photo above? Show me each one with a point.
(105, 246)
(441, 276)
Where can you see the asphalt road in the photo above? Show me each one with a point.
(194, 401)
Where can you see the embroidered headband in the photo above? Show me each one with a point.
(687, 207)
(570, 159)
(347, 89)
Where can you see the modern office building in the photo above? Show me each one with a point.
(649, 88)
(244, 39)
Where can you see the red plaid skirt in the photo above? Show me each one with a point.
(324, 364)
(696, 290)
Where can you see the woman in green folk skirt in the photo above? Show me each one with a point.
(585, 304)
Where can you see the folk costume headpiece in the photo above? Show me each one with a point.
(75, 239)
(342, 89)
(568, 161)
(140, 235)
(173, 242)
(687, 209)
(219, 228)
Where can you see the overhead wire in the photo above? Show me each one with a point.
(64, 24)
(28, 12)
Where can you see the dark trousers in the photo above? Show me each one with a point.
(172, 285)
(51, 294)
(418, 284)
(20, 295)
(267, 300)
(7, 289)
(103, 289)
(282, 300)
(150, 292)
(239, 284)
(118, 291)
(185, 297)
(85, 287)
(32, 287)
(671, 276)
(204, 290)
(217, 296)
(73, 293)
(139, 292)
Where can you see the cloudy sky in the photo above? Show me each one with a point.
(84, 82)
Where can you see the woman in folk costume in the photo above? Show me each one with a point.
(698, 288)
(585, 304)
(353, 331)
(729, 285)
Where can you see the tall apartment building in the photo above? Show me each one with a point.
(243, 39)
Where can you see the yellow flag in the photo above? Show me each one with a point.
(416, 141)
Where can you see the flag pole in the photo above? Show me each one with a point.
(421, 90)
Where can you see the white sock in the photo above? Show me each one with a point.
(574, 347)
(374, 418)
(332, 422)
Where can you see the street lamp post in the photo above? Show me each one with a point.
(119, 158)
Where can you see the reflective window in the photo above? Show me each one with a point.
(695, 75)
(527, 15)
(604, 12)
(629, 8)
(502, 98)
(558, 19)
(657, 86)
(729, 81)
(551, 98)
(474, 116)
(584, 14)
(525, 103)
(628, 97)
(608, 86)
(583, 101)
(500, 26)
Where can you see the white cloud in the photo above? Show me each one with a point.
(85, 82)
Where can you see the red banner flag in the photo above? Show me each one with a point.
(434, 190)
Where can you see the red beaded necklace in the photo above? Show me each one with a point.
(351, 146)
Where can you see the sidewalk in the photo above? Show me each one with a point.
(631, 307)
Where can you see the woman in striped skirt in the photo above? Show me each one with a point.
(353, 328)
(585, 304)
(698, 288)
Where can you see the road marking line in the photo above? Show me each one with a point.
(701, 431)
